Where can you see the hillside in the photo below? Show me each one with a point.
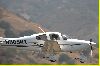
(12, 25)
(21, 17)
(17, 24)
(77, 18)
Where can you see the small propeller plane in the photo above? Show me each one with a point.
(36, 42)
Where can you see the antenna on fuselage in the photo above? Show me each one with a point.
(41, 29)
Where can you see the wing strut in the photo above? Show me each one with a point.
(41, 29)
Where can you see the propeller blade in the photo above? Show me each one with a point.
(91, 53)
(90, 40)
(91, 47)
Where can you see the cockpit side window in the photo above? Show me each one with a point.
(54, 36)
(41, 37)
(64, 37)
(38, 38)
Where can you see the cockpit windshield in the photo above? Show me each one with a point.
(65, 37)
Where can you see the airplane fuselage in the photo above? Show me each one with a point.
(37, 41)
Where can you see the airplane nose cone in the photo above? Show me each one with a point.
(93, 43)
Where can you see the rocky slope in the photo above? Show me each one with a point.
(13, 25)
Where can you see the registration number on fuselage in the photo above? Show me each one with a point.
(15, 42)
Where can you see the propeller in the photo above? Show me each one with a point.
(91, 47)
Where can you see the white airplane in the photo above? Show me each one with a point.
(36, 42)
